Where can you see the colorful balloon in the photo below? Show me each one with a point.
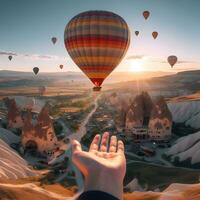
(172, 60)
(97, 41)
(61, 66)
(36, 70)
(10, 58)
(155, 34)
(146, 14)
(54, 40)
(137, 33)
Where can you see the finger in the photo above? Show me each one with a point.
(95, 143)
(113, 144)
(104, 142)
(76, 146)
(120, 147)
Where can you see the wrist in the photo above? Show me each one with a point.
(106, 182)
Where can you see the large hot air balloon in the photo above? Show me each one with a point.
(61, 66)
(146, 14)
(137, 33)
(42, 90)
(36, 70)
(10, 58)
(54, 40)
(97, 41)
(155, 34)
(172, 60)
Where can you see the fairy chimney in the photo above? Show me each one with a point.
(14, 115)
(139, 112)
(122, 105)
(160, 122)
(41, 136)
(147, 104)
(114, 99)
(134, 117)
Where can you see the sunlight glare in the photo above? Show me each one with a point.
(136, 65)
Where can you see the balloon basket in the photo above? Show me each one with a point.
(96, 89)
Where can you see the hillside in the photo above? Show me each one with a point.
(12, 166)
(187, 112)
(8, 137)
(56, 192)
(186, 149)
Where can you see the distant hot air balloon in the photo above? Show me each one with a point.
(137, 33)
(36, 70)
(146, 14)
(155, 34)
(97, 41)
(10, 58)
(61, 66)
(42, 90)
(54, 40)
(172, 60)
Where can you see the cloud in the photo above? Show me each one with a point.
(6, 53)
(186, 68)
(164, 61)
(31, 56)
(135, 57)
(41, 57)
(185, 61)
(180, 61)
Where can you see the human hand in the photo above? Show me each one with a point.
(104, 166)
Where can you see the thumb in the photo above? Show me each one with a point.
(76, 146)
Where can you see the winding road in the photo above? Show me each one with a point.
(77, 135)
(82, 129)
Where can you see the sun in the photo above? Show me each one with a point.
(136, 65)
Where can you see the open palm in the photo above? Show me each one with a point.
(104, 160)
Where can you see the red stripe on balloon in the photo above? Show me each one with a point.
(97, 81)
(95, 43)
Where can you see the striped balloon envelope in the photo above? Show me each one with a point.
(97, 41)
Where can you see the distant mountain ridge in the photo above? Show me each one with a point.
(18, 79)
(8, 73)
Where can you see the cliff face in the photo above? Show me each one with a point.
(42, 134)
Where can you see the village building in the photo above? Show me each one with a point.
(148, 120)
(40, 137)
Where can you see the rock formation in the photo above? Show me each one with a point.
(160, 122)
(148, 119)
(14, 115)
(139, 112)
(40, 137)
